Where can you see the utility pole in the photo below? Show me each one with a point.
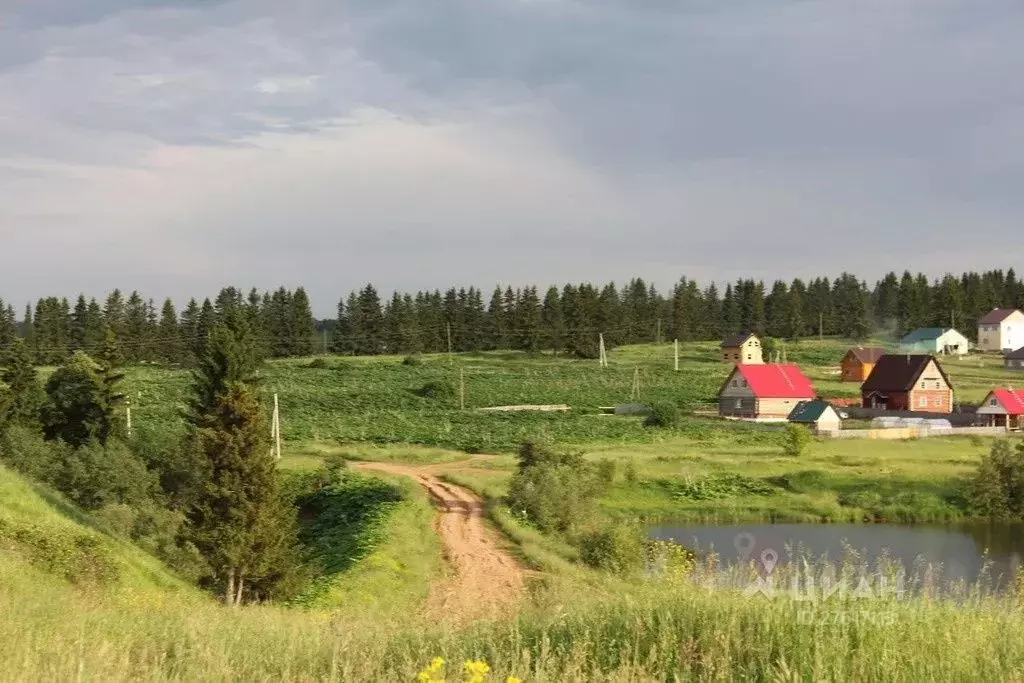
(448, 328)
(128, 415)
(602, 355)
(275, 431)
(657, 335)
(821, 325)
(462, 389)
(325, 341)
(634, 393)
(676, 345)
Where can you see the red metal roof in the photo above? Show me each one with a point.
(1011, 399)
(776, 380)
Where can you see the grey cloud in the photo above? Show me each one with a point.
(894, 120)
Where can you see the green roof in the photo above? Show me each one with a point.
(808, 411)
(924, 334)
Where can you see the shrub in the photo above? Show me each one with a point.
(75, 556)
(606, 472)
(555, 491)
(630, 474)
(317, 364)
(95, 475)
(796, 440)
(436, 390)
(997, 488)
(664, 415)
(25, 450)
(413, 360)
(617, 548)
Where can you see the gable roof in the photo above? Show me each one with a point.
(1015, 355)
(899, 372)
(996, 316)
(1011, 399)
(867, 354)
(774, 380)
(924, 334)
(736, 340)
(809, 411)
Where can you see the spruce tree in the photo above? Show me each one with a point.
(239, 524)
(301, 324)
(530, 319)
(24, 390)
(133, 338)
(8, 326)
(553, 324)
(189, 326)
(169, 343)
(114, 314)
(496, 328)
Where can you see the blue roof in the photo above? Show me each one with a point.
(924, 334)
(808, 411)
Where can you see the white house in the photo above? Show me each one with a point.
(1002, 329)
(932, 340)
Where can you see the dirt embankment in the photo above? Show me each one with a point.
(485, 579)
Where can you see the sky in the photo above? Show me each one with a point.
(178, 146)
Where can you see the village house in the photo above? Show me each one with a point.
(766, 391)
(858, 363)
(818, 414)
(1003, 408)
(743, 348)
(1001, 329)
(1014, 360)
(908, 382)
(930, 340)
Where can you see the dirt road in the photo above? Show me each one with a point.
(486, 580)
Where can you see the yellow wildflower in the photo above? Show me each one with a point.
(434, 673)
(475, 672)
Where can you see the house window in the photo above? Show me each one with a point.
(739, 404)
(749, 356)
(735, 383)
(923, 385)
(725, 356)
(993, 402)
(923, 402)
(938, 401)
(743, 382)
(938, 385)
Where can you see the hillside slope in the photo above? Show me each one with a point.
(43, 535)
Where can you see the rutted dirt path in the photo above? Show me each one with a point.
(486, 580)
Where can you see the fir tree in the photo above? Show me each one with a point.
(24, 391)
(553, 324)
(8, 326)
(302, 325)
(168, 335)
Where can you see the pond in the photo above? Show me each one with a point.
(962, 549)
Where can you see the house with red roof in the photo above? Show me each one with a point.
(763, 392)
(1004, 408)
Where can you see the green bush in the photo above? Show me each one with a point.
(997, 488)
(76, 556)
(555, 491)
(25, 451)
(606, 472)
(412, 360)
(317, 364)
(796, 440)
(617, 548)
(436, 390)
(664, 415)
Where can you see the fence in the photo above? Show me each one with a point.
(909, 432)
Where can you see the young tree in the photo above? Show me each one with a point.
(25, 395)
(8, 326)
(239, 524)
(81, 401)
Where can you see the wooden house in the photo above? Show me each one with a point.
(1001, 329)
(742, 349)
(818, 414)
(914, 383)
(858, 363)
(1014, 360)
(1004, 408)
(765, 391)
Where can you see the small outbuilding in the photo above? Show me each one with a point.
(818, 414)
(858, 363)
(742, 349)
(1014, 360)
(931, 340)
(1004, 408)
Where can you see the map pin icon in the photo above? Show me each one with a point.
(744, 544)
(769, 558)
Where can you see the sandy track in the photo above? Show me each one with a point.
(486, 580)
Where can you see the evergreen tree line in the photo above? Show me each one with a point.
(564, 319)
(282, 324)
(569, 319)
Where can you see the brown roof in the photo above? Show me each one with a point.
(996, 316)
(899, 372)
(736, 340)
(1015, 355)
(867, 354)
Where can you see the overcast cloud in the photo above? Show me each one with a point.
(178, 146)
